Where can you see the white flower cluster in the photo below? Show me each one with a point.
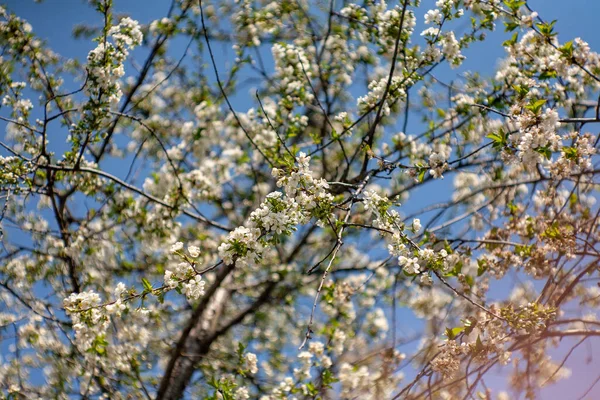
(353, 378)
(117, 306)
(339, 304)
(242, 246)
(380, 206)
(413, 148)
(396, 92)
(257, 123)
(91, 318)
(126, 34)
(304, 197)
(376, 323)
(278, 214)
(451, 49)
(410, 265)
(315, 356)
(16, 32)
(317, 349)
(438, 164)
(340, 60)
(537, 135)
(279, 392)
(576, 158)
(194, 288)
(431, 303)
(446, 4)
(422, 260)
(487, 339)
(255, 20)
(388, 22)
(242, 393)
(354, 12)
(533, 53)
(527, 19)
(20, 106)
(450, 46)
(105, 62)
(183, 273)
(338, 341)
(303, 372)
(311, 194)
(416, 225)
(431, 34)
(433, 17)
(292, 69)
(390, 220)
(362, 23)
(11, 169)
(177, 247)
(251, 363)
(581, 51)
(161, 26)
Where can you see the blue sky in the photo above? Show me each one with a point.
(53, 20)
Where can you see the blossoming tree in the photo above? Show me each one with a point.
(159, 241)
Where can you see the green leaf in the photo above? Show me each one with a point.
(573, 200)
(552, 232)
(481, 267)
(512, 40)
(545, 151)
(514, 5)
(99, 345)
(240, 350)
(469, 325)
(147, 285)
(421, 175)
(549, 74)
(512, 208)
(470, 281)
(454, 332)
(495, 137)
(524, 251)
(328, 378)
(570, 153)
(521, 90)
(547, 28)
(510, 26)
(500, 139)
(567, 49)
(312, 390)
(535, 106)
(479, 347)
